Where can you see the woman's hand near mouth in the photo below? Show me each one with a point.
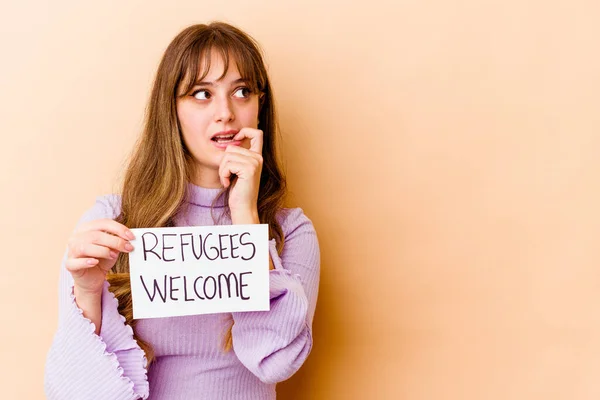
(246, 164)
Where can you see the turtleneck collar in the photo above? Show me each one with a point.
(203, 197)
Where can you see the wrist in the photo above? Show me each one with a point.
(245, 216)
(90, 304)
(85, 294)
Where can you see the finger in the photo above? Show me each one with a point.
(254, 160)
(108, 225)
(229, 168)
(107, 240)
(245, 152)
(224, 173)
(229, 157)
(90, 250)
(255, 136)
(76, 264)
(250, 158)
(233, 155)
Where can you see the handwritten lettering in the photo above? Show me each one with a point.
(223, 286)
(209, 246)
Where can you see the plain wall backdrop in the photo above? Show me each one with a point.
(446, 151)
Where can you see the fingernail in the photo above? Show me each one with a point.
(92, 261)
(128, 247)
(130, 235)
(113, 255)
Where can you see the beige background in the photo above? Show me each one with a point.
(446, 151)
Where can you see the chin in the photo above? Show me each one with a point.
(212, 163)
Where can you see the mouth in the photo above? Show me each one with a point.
(224, 137)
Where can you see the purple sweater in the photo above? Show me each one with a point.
(268, 347)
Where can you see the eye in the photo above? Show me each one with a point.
(242, 92)
(201, 94)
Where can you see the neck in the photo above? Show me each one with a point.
(207, 178)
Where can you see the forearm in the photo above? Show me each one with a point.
(248, 217)
(108, 349)
(274, 344)
(91, 305)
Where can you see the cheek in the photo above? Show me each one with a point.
(249, 117)
(193, 124)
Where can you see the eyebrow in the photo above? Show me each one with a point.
(211, 84)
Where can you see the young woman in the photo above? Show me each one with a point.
(206, 157)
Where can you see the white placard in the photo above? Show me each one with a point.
(199, 270)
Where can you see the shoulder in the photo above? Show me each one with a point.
(295, 222)
(105, 206)
(301, 244)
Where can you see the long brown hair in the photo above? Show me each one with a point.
(155, 182)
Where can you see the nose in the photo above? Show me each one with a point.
(224, 111)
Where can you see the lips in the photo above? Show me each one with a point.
(224, 136)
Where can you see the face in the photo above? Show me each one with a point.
(214, 111)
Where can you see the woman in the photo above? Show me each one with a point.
(206, 156)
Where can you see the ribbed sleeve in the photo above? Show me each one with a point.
(83, 365)
(274, 344)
